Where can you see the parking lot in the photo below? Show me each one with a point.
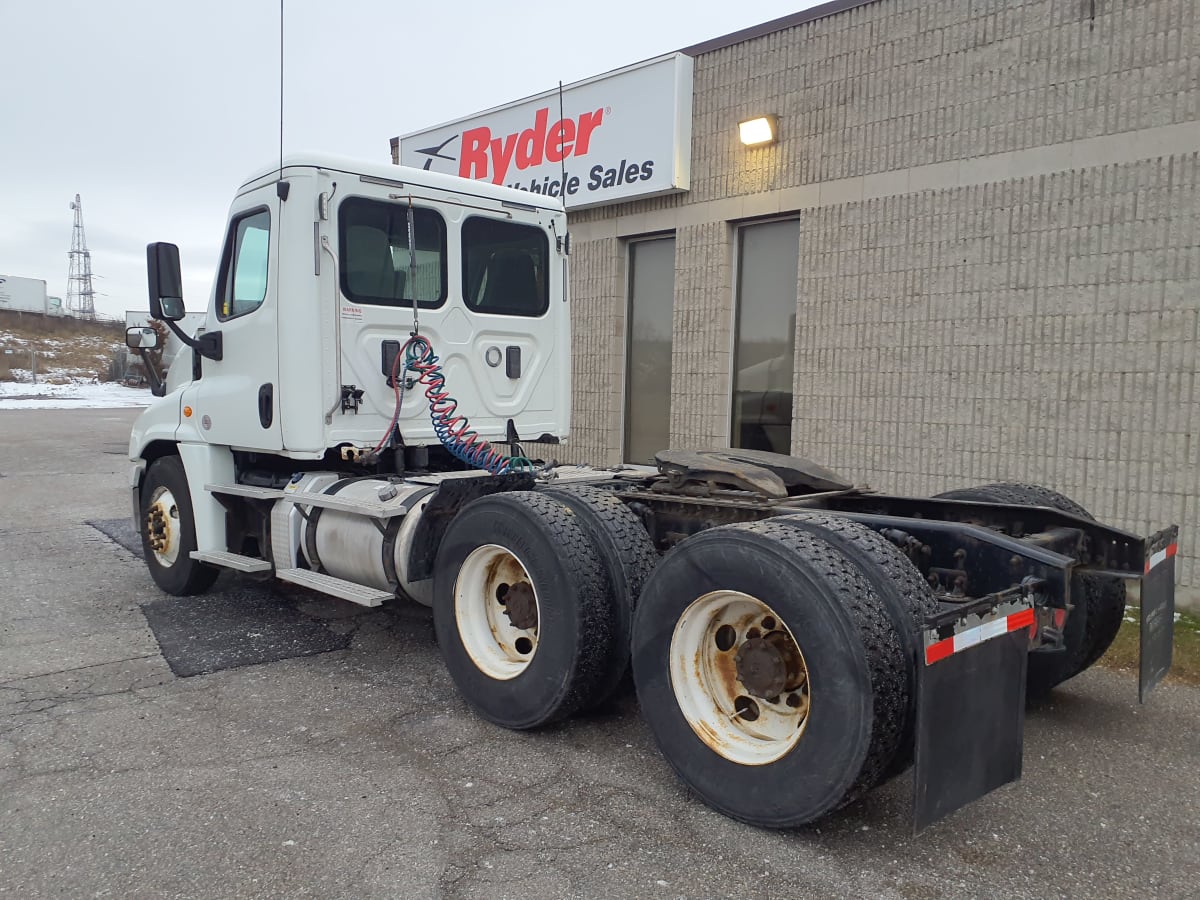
(265, 741)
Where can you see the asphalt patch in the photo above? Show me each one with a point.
(120, 532)
(239, 626)
(238, 623)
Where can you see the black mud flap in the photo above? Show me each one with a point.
(1158, 610)
(970, 711)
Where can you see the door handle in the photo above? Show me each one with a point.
(266, 405)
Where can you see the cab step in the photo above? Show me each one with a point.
(231, 560)
(335, 587)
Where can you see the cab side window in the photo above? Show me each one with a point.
(244, 265)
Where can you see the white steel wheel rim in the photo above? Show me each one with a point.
(486, 580)
(743, 728)
(163, 527)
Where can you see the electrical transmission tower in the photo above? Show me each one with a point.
(80, 296)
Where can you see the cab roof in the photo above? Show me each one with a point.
(400, 174)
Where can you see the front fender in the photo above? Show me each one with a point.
(158, 422)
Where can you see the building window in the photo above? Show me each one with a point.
(648, 348)
(765, 343)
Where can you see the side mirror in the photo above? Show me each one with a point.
(166, 282)
(138, 338)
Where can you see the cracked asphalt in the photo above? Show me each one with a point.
(358, 772)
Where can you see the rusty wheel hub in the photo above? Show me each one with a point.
(163, 530)
(156, 528)
(768, 666)
(520, 605)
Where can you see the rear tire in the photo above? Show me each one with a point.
(1099, 599)
(520, 610)
(713, 638)
(906, 596)
(628, 557)
(168, 530)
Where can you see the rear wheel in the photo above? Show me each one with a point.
(521, 612)
(628, 557)
(1099, 600)
(770, 673)
(169, 530)
(905, 594)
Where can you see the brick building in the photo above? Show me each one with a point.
(972, 253)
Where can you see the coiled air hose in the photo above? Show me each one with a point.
(453, 430)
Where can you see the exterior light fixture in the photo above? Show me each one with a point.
(759, 131)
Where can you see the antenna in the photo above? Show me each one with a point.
(562, 193)
(81, 298)
(281, 90)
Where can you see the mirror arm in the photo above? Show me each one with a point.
(158, 386)
(209, 345)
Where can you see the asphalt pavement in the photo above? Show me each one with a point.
(264, 741)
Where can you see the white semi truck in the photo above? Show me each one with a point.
(384, 346)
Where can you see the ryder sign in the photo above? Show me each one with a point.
(618, 136)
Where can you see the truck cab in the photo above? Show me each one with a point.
(316, 286)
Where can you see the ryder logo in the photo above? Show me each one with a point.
(486, 157)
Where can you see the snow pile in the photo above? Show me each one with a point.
(73, 395)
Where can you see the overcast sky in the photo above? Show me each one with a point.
(154, 112)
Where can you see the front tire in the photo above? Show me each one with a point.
(168, 530)
(770, 672)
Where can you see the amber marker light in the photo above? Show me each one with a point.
(187, 412)
(759, 131)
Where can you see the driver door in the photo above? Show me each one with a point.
(237, 397)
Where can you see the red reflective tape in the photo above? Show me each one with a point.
(1161, 556)
(972, 637)
(939, 651)
(1023, 619)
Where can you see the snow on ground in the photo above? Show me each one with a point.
(76, 395)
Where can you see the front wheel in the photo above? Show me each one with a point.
(169, 530)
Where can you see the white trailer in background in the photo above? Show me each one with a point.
(23, 295)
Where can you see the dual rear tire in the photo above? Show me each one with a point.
(533, 602)
(1098, 600)
(775, 662)
(775, 665)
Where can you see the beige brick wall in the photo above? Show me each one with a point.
(1000, 251)
(1042, 329)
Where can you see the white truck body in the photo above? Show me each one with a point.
(23, 295)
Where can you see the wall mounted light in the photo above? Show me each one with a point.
(759, 131)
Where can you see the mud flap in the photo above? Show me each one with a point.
(1158, 610)
(970, 712)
